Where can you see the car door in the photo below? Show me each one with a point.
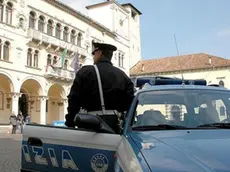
(60, 149)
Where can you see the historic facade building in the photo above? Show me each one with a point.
(33, 36)
(215, 70)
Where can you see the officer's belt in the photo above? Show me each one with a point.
(99, 112)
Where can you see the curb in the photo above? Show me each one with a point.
(5, 126)
(5, 129)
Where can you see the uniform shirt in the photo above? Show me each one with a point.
(118, 89)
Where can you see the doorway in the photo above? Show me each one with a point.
(23, 105)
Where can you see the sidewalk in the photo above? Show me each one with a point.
(5, 129)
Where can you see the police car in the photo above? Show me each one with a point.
(172, 125)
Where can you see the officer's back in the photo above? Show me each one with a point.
(117, 87)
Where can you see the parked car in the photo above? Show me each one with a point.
(172, 125)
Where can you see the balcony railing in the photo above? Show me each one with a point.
(59, 74)
(35, 34)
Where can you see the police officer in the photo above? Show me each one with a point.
(118, 89)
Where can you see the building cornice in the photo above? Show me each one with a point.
(131, 5)
(80, 16)
(182, 71)
(108, 3)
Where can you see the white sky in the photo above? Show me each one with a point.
(80, 5)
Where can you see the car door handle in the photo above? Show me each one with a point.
(33, 141)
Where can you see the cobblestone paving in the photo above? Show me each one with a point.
(10, 152)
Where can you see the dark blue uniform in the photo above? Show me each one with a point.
(118, 90)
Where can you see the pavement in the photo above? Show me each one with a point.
(10, 150)
(5, 129)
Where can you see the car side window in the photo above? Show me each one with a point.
(161, 113)
(221, 108)
(218, 107)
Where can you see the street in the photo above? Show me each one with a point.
(10, 152)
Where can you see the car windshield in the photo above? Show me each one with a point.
(188, 108)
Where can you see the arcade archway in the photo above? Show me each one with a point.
(56, 95)
(6, 88)
(29, 102)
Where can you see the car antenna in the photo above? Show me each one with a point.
(178, 57)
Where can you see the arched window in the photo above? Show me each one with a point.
(65, 64)
(50, 28)
(93, 45)
(73, 36)
(32, 20)
(66, 34)
(55, 60)
(58, 31)
(1, 10)
(29, 57)
(21, 22)
(41, 23)
(49, 60)
(36, 59)
(79, 38)
(9, 9)
(6, 51)
(121, 59)
(221, 83)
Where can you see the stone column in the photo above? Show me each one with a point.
(61, 34)
(62, 108)
(65, 104)
(15, 98)
(36, 23)
(13, 17)
(1, 55)
(54, 29)
(45, 26)
(32, 58)
(43, 109)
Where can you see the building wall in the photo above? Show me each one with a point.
(127, 29)
(213, 76)
(45, 87)
(134, 36)
(104, 15)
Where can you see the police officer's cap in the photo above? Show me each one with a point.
(101, 46)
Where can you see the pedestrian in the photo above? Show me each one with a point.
(117, 88)
(20, 122)
(27, 120)
(13, 122)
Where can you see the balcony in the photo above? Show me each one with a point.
(43, 38)
(59, 74)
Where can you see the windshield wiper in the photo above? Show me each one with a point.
(216, 125)
(159, 127)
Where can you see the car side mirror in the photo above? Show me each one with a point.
(87, 121)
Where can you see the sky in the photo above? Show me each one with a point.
(200, 26)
